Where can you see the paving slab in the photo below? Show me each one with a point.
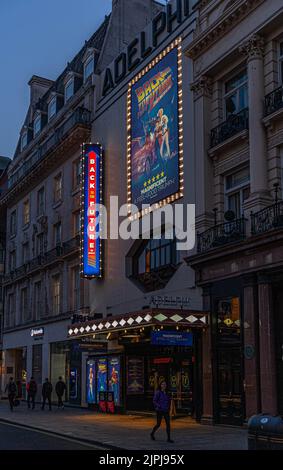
(127, 431)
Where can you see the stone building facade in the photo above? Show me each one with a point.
(237, 90)
(43, 287)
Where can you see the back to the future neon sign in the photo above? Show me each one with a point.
(91, 262)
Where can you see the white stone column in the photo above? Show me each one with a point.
(253, 48)
(204, 197)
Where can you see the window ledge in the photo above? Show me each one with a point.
(75, 191)
(242, 136)
(273, 117)
(57, 204)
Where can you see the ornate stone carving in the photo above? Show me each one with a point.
(202, 87)
(253, 48)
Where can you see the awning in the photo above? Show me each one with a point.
(143, 318)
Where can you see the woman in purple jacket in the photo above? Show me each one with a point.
(161, 402)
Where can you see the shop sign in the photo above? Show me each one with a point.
(144, 44)
(172, 338)
(135, 375)
(37, 333)
(91, 261)
(170, 301)
(155, 133)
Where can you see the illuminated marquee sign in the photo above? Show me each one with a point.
(91, 246)
(155, 170)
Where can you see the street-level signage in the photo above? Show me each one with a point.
(91, 262)
(170, 300)
(172, 338)
(144, 44)
(37, 332)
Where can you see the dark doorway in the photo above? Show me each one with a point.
(229, 399)
(278, 321)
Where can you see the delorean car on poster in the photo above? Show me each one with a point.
(154, 133)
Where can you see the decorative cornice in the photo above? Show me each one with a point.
(202, 87)
(219, 28)
(253, 48)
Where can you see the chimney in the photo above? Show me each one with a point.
(38, 87)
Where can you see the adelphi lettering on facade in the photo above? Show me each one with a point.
(142, 46)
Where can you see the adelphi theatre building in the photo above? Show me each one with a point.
(147, 321)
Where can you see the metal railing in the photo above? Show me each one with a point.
(80, 116)
(221, 234)
(234, 124)
(269, 218)
(45, 258)
(273, 101)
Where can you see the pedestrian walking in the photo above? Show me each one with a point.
(11, 388)
(32, 391)
(46, 393)
(60, 389)
(161, 402)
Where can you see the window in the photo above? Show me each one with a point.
(40, 202)
(56, 294)
(37, 306)
(58, 188)
(281, 62)
(57, 233)
(237, 190)
(24, 140)
(13, 223)
(236, 94)
(69, 89)
(52, 108)
(77, 223)
(76, 288)
(40, 244)
(37, 125)
(88, 67)
(12, 260)
(25, 311)
(25, 256)
(10, 317)
(26, 212)
(156, 254)
(77, 168)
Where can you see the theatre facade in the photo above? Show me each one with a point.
(146, 313)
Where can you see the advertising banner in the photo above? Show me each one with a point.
(114, 378)
(135, 375)
(90, 382)
(171, 338)
(154, 156)
(91, 242)
(101, 375)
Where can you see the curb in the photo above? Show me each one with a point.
(54, 433)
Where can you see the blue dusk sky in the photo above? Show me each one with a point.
(38, 37)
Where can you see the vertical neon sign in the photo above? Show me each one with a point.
(91, 262)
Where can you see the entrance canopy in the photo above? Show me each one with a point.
(143, 318)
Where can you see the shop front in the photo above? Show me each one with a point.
(144, 349)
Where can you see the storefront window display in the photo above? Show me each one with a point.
(66, 363)
(103, 375)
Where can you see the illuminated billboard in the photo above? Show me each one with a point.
(155, 132)
(91, 246)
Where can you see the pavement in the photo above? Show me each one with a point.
(124, 431)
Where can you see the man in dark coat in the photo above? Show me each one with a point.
(32, 390)
(46, 393)
(11, 388)
(60, 389)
